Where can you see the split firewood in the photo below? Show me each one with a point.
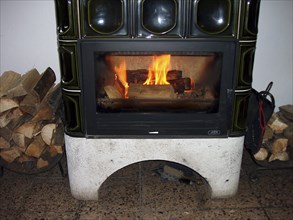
(174, 74)
(27, 82)
(44, 112)
(36, 148)
(6, 133)
(58, 135)
(24, 158)
(276, 124)
(180, 85)
(288, 133)
(10, 154)
(47, 133)
(137, 76)
(27, 129)
(42, 163)
(21, 140)
(8, 80)
(282, 156)
(268, 134)
(262, 154)
(7, 104)
(112, 92)
(4, 144)
(120, 87)
(279, 145)
(287, 111)
(8, 116)
(137, 91)
(31, 101)
(55, 149)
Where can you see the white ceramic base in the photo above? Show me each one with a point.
(92, 161)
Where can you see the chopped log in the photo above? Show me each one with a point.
(137, 76)
(24, 158)
(58, 148)
(279, 145)
(268, 133)
(26, 83)
(7, 104)
(174, 74)
(42, 163)
(180, 85)
(262, 154)
(276, 124)
(36, 148)
(137, 91)
(58, 135)
(44, 112)
(6, 133)
(47, 132)
(282, 156)
(49, 105)
(10, 154)
(4, 144)
(287, 111)
(27, 129)
(21, 140)
(8, 80)
(54, 97)
(112, 92)
(31, 101)
(8, 116)
(288, 133)
(18, 121)
(120, 87)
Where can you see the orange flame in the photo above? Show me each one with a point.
(121, 75)
(158, 70)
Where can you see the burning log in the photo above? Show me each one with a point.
(174, 74)
(112, 92)
(180, 85)
(137, 76)
(137, 91)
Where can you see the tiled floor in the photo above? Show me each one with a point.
(136, 192)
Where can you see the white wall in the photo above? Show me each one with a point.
(273, 60)
(28, 36)
(28, 39)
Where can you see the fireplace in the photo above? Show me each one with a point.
(167, 88)
(155, 80)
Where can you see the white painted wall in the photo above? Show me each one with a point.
(28, 36)
(28, 39)
(273, 60)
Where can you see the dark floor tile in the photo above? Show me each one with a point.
(160, 195)
(50, 196)
(280, 213)
(9, 213)
(48, 215)
(274, 189)
(13, 192)
(244, 198)
(114, 194)
(235, 214)
(116, 213)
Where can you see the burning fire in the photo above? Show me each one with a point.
(121, 74)
(158, 70)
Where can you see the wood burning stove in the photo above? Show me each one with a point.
(123, 95)
(174, 73)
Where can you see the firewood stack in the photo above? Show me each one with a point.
(31, 129)
(278, 136)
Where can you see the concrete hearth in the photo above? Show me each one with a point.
(92, 161)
